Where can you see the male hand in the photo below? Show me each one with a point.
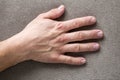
(46, 40)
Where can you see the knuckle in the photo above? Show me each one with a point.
(83, 21)
(76, 23)
(59, 26)
(62, 39)
(54, 57)
(77, 48)
(79, 35)
(58, 41)
(89, 48)
(68, 60)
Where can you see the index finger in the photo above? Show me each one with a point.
(78, 22)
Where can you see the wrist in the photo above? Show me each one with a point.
(9, 53)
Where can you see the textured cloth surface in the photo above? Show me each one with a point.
(102, 65)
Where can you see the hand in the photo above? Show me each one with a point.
(46, 40)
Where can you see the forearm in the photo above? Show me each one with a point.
(8, 54)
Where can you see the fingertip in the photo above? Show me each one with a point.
(82, 60)
(96, 46)
(92, 19)
(61, 7)
(61, 10)
(79, 61)
(53, 13)
(57, 12)
(100, 34)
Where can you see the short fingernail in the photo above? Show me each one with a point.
(61, 7)
(83, 60)
(93, 19)
(96, 46)
(100, 34)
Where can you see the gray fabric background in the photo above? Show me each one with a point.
(102, 65)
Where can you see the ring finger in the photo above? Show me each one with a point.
(79, 47)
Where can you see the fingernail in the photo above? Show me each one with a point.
(83, 60)
(93, 19)
(96, 46)
(100, 34)
(61, 7)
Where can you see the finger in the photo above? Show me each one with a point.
(79, 36)
(79, 47)
(54, 13)
(71, 60)
(78, 22)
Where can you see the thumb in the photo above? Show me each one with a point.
(54, 13)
